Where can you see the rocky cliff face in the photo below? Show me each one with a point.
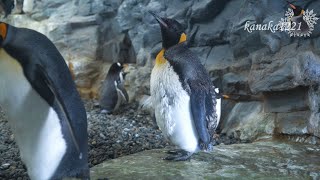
(282, 70)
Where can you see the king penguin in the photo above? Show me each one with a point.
(298, 24)
(182, 93)
(43, 106)
(113, 93)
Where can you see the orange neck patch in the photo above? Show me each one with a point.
(302, 12)
(3, 30)
(183, 38)
(160, 58)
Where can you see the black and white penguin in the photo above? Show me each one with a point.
(44, 108)
(183, 94)
(298, 24)
(113, 93)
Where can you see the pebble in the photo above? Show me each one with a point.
(104, 111)
(5, 166)
(102, 136)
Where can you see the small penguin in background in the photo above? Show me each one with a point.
(182, 93)
(43, 106)
(218, 105)
(298, 24)
(7, 6)
(113, 93)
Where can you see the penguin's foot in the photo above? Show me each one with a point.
(178, 155)
(176, 151)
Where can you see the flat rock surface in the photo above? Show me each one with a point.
(259, 160)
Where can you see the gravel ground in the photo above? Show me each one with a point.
(110, 136)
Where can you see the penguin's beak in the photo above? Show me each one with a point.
(291, 5)
(125, 66)
(226, 96)
(125, 70)
(159, 19)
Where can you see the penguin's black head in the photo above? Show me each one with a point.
(297, 10)
(3, 32)
(171, 30)
(116, 67)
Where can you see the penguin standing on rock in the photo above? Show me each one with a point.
(44, 108)
(113, 93)
(183, 94)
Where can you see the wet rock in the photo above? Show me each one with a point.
(247, 121)
(249, 161)
(294, 123)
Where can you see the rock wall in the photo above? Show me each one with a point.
(282, 70)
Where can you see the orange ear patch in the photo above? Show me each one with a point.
(3, 30)
(160, 58)
(183, 38)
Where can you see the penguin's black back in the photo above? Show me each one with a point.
(34, 50)
(196, 81)
(187, 66)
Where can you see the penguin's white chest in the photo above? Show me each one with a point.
(121, 99)
(172, 108)
(218, 106)
(218, 110)
(34, 123)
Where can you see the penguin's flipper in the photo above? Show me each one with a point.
(211, 111)
(42, 83)
(122, 91)
(198, 109)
